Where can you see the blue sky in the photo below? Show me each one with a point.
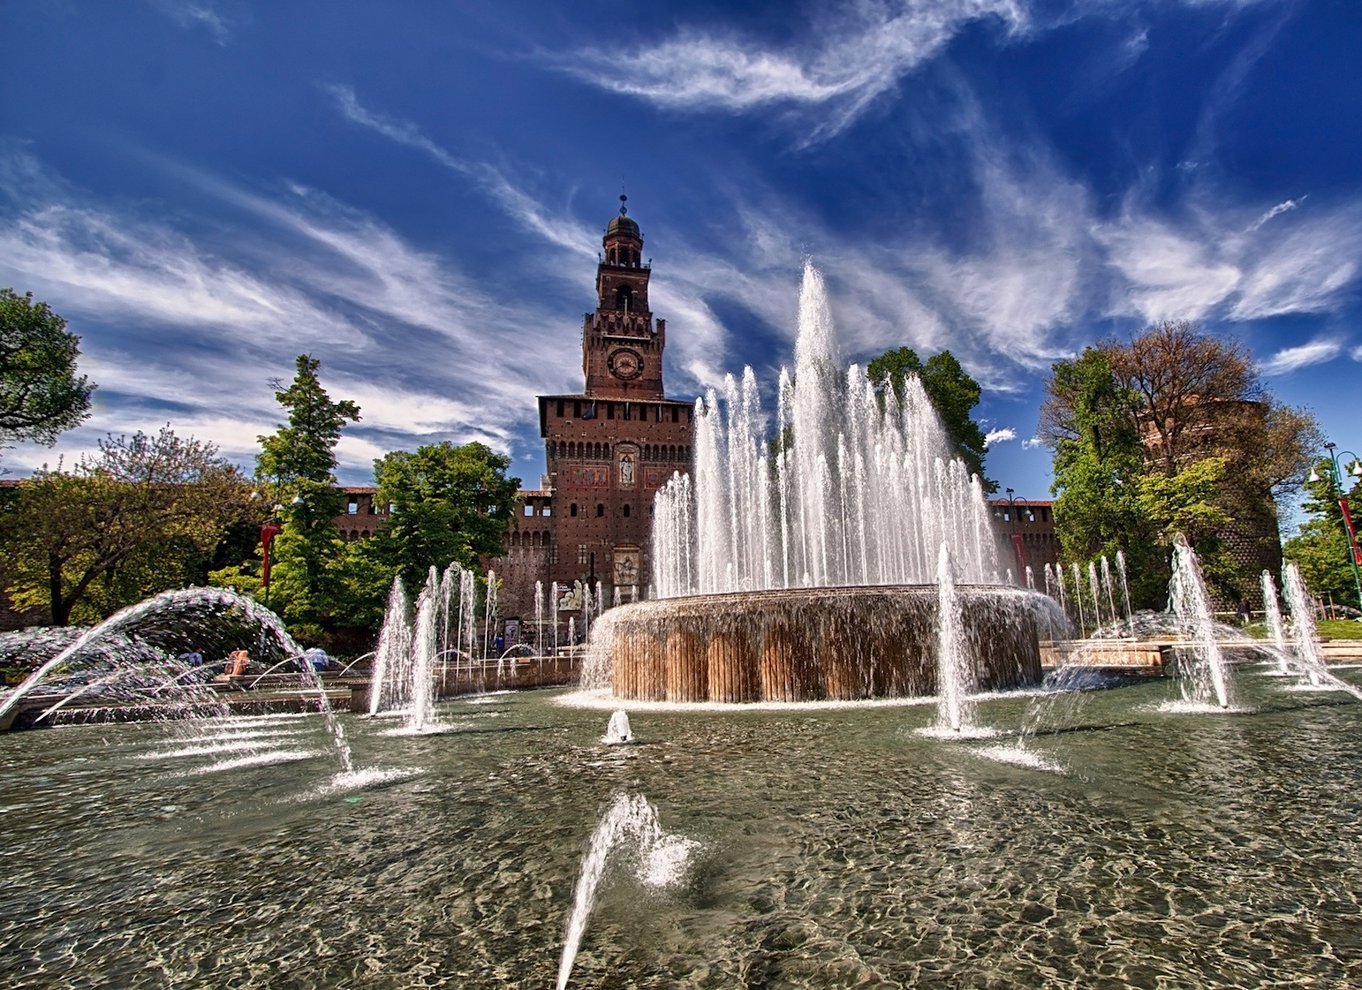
(414, 193)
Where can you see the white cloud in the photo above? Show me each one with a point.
(196, 13)
(1165, 273)
(1277, 210)
(402, 131)
(1207, 264)
(850, 59)
(1032, 442)
(562, 233)
(994, 437)
(191, 327)
(1301, 356)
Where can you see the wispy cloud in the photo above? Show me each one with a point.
(850, 54)
(196, 13)
(1030, 443)
(1205, 263)
(558, 231)
(994, 437)
(1276, 211)
(183, 325)
(849, 58)
(1301, 356)
(402, 131)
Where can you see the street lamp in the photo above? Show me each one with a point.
(1009, 514)
(1336, 489)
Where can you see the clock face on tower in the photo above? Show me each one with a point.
(625, 363)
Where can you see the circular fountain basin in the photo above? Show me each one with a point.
(812, 644)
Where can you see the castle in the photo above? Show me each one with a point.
(608, 449)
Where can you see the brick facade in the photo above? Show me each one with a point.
(608, 449)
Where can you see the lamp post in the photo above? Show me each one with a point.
(1336, 489)
(1009, 515)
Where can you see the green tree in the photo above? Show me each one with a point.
(1188, 407)
(40, 393)
(1320, 547)
(295, 471)
(952, 391)
(450, 504)
(1089, 421)
(1189, 502)
(143, 516)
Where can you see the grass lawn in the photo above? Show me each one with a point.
(1327, 628)
(1340, 629)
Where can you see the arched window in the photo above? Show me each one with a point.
(624, 298)
(626, 510)
(600, 509)
(572, 509)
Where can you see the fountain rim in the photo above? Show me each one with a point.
(833, 590)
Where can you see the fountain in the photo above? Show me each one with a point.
(137, 648)
(1272, 615)
(803, 567)
(1204, 679)
(660, 860)
(410, 646)
(1304, 636)
(617, 732)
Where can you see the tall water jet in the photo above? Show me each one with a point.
(1206, 678)
(1304, 634)
(954, 711)
(1125, 591)
(1092, 588)
(426, 643)
(771, 558)
(1273, 614)
(390, 680)
(1107, 587)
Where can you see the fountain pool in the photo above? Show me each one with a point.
(834, 847)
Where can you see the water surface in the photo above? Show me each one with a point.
(837, 847)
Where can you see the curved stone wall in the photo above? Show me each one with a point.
(813, 644)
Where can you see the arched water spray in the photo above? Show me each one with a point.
(630, 823)
(178, 617)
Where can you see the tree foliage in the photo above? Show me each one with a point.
(1089, 421)
(450, 504)
(952, 391)
(295, 471)
(40, 393)
(1320, 547)
(143, 516)
(1181, 419)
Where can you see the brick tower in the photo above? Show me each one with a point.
(608, 448)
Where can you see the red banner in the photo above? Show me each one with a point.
(1352, 534)
(267, 534)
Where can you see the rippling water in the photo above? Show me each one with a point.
(836, 848)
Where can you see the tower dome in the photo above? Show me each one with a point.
(621, 224)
